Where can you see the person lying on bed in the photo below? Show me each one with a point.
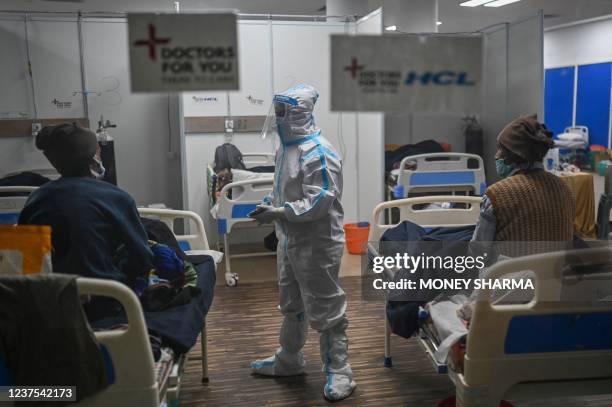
(89, 218)
(528, 203)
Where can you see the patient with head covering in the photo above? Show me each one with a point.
(527, 204)
(90, 219)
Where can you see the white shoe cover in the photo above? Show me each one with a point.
(338, 387)
(279, 365)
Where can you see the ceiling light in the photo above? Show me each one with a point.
(391, 28)
(438, 22)
(474, 3)
(499, 3)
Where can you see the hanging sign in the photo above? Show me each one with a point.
(180, 52)
(406, 73)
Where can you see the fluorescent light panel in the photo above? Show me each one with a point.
(391, 28)
(474, 3)
(499, 3)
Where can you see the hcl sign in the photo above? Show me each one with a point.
(442, 78)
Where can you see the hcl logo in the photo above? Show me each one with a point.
(442, 78)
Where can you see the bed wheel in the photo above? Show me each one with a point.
(231, 280)
(205, 380)
(388, 361)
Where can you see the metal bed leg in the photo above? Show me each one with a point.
(231, 279)
(204, 345)
(388, 361)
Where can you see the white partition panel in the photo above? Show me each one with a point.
(16, 95)
(495, 72)
(371, 140)
(526, 67)
(204, 104)
(148, 165)
(56, 66)
(255, 95)
(513, 70)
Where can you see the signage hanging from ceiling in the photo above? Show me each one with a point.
(406, 73)
(181, 52)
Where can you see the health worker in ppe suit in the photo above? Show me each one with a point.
(305, 206)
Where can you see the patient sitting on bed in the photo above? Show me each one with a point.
(89, 218)
(528, 203)
(528, 211)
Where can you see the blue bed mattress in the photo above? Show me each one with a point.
(179, 327)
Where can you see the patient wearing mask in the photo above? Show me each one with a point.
(527, 203)
(90, 219)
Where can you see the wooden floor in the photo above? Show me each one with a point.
(243, 325)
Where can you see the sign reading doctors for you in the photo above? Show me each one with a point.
(178, 52)
(407, 73)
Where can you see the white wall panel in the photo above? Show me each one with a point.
(56, 66)
(204, 104)
(579, 44)
(370, 149)
(145, 168)
(255, 95)
(16, 95)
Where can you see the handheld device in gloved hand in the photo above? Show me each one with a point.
(259, 209)
(267, 214)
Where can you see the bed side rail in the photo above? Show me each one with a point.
(11, 205)
(442, 171)
(129, 348)
(410, 209)
(564, 331)
(257, 159)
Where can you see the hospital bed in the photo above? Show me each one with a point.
(439, 173)
(541, 348)
(421, 212)
(12, 201)
(136, 379)
(235, 201)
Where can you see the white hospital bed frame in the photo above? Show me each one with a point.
(246, 195)
(489, 373)
(442, 173)
(411, 209)
(130, 350)
(11, 206)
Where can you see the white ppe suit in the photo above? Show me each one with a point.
(306, 197)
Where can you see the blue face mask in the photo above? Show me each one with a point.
(96, 168)
(503, 169)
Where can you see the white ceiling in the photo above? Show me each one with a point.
(454, 18)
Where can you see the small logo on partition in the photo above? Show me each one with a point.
(61, 105)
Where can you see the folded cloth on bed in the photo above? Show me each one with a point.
(180, 326)
(44, 339)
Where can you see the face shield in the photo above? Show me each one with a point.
(276, 114)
